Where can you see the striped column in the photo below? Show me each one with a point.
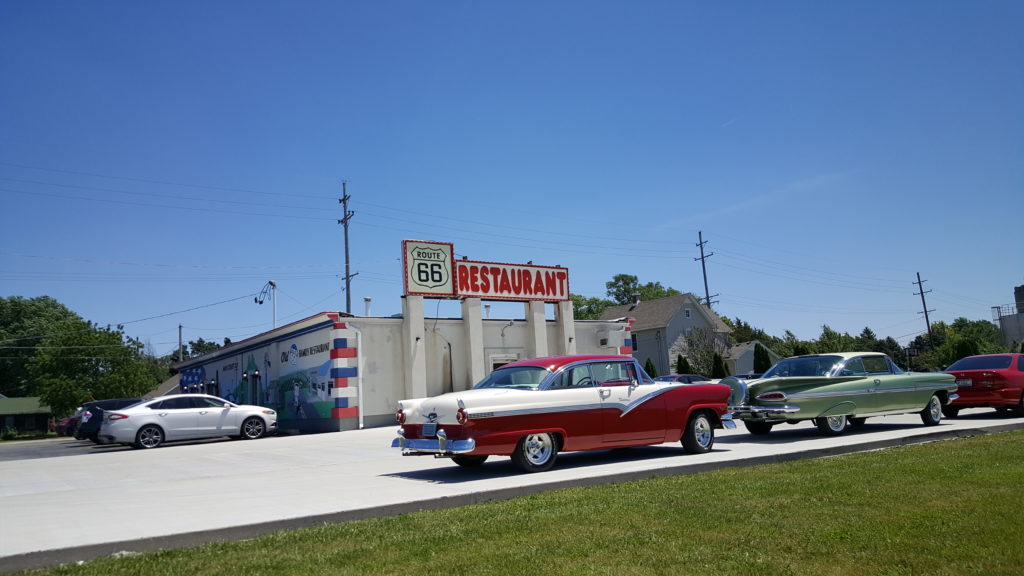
(627, 346)
(344, 370)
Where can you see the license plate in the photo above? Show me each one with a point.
(430, 429)
(964, 382)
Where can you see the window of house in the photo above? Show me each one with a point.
(686, 313)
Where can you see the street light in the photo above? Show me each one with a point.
(269, 291)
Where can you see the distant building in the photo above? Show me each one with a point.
(739, 358)
(661, 326)
(1010, 318)
(24, 414)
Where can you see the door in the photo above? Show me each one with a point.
(177, 416)
(634, 411)
(213, 419)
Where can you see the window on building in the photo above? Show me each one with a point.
(686, 313)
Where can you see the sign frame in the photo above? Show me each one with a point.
(428, 268)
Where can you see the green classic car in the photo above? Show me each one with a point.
(836, 391)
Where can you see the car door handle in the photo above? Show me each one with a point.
(605, 392)
(203, 412)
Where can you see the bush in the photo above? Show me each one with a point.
(9, 434)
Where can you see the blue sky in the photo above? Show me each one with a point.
(159, 162)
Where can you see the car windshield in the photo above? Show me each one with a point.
(803, 366)
(520, 377)
(981, 363)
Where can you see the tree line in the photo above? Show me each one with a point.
(945, 344)
(48, 351)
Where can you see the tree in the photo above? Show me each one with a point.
(718, 369)
(588, 308)
(85, 363)
(683, 365)
(24, 324)
(701, 348)
(650, 369)
(832, 341)
(762, 360)
(622, 289)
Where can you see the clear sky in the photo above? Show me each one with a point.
(161, 161)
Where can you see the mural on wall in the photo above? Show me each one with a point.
(301, 389)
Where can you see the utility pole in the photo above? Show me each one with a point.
(181, 347)
(344, 222)
(923, 305)
(703, 268)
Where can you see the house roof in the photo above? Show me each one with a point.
(30, 405)
(652, 314)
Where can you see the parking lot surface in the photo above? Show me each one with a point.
(86, 501)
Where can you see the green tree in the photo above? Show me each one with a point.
(832, 341)
(86, 362)
(623, 287)
(718, 369)
(24, 324)
(683, 365)
(650, 369)
(762, 360)
(588, 308)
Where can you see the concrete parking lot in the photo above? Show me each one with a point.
(54, 494)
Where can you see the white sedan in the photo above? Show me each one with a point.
(152, 422)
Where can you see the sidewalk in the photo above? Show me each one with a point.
(65, 509)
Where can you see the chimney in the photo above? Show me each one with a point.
(366, 302)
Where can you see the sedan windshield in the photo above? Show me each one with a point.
(520, 377)
(803, 366)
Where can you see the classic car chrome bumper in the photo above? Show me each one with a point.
(761, 412)
(439, 446)
(727, 422)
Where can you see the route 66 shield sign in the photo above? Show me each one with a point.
(428, 268)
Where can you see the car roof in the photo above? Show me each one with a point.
(553, 363)
(843, 355)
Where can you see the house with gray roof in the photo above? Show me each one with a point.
(661, 326)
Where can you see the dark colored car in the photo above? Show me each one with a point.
(92, 416)
(988, 380)
(684, 378)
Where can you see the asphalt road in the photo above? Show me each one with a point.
(189, 494)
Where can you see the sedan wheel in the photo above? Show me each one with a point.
(252, 428)
(535, 452)
(831, 425)
(149, 436)
(932, 413)
(699, 435)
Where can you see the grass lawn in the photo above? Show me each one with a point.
(952, 507)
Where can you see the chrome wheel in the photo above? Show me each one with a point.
(535, 452)
(832, 425)
(252, 428)
(932, 413)
(149, 437)
(699, 435)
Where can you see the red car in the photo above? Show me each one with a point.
(989, 380)
(533, 409)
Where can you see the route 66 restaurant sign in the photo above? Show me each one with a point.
(431, 270)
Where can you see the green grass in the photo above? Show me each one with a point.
(952, 507)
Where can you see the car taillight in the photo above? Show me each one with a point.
(772, 397)
(400, 416)
(461, 416)
(111, 417)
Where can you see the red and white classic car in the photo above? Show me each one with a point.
(533, 409)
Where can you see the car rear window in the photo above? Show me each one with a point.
(997, 362)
